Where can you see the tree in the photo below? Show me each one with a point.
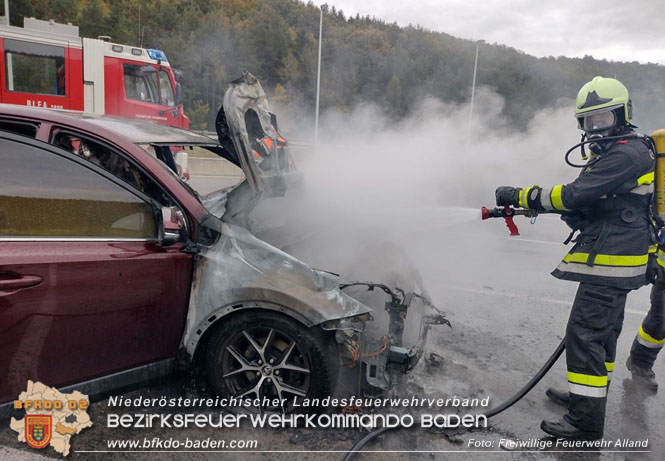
(198, 115)
(92, 19)
(394, 96)
(364, 59)
(19, 9)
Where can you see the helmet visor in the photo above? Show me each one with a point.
(599, 121)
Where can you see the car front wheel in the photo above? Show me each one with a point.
(257, 355)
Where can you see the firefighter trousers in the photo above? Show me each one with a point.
(650, 338)
(591, 336)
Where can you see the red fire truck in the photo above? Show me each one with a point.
(46, 64)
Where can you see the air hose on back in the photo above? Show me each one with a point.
(492, 412)
(606, 141)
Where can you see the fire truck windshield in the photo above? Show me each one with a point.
(165, 89)
(143, 83)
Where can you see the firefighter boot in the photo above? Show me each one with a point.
(559, 397)
(643, 376)
(564, 430)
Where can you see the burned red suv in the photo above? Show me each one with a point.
(113, 270)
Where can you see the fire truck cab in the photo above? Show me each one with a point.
(46, 64)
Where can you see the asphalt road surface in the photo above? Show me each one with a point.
(508, 315)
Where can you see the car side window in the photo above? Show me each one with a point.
(19, 127)
(43, 194)
(34, 68)
(110, 160)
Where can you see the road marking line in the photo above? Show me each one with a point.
(518, 295)
(533, 241)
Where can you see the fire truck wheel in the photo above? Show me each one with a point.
(257, 355)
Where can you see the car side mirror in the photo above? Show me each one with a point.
(178, 94)
(172, 226)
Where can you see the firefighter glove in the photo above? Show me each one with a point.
(507, 195)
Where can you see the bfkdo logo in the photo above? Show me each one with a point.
(38, 430)
(44, 404)
(51, 417)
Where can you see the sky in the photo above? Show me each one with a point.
(615, 30)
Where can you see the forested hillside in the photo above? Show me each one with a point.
(364, 59)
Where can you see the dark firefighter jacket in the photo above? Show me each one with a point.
(614, 196)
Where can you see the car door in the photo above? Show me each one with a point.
(85, 288)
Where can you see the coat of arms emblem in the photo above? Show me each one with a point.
(38, 430)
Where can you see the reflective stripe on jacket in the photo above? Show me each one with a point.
(614, 195)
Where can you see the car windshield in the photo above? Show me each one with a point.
(163, 161)
(220, 174)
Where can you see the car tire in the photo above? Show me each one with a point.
(301, 362)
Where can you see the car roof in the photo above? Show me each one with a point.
(136, 131)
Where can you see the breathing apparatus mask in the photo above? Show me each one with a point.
(600, 131)
(598, 128)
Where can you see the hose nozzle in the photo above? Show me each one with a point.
(507, 214)
(497, 212)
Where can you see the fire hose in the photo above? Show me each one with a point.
(507, 213)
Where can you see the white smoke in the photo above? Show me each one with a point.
(373, 179)
(395, 201)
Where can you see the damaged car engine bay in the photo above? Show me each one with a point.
(239, 266)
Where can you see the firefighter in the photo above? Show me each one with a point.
(609, 204)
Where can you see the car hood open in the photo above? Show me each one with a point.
(244, 126)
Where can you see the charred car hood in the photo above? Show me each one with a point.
(240, 271)
(245, 127)
(244, 94)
